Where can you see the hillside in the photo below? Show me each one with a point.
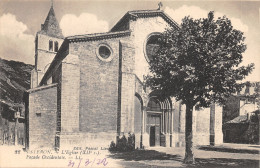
(14, 80)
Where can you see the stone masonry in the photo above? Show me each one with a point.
(42, 116)
(93, 89)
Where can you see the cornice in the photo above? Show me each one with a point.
(97, 36)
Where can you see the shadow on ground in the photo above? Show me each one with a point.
(229, 150)
(152, 158)
(139, 155)
(226, 163)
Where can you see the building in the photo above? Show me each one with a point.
(241, 116)
(11, 123)
(88, 89)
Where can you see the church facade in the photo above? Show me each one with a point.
(89, 89)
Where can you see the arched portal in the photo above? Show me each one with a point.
(158, 121)
(153, 126)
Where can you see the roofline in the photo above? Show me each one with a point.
(98, 36)
(133, 15)
(11, 104)
(44, 33)
(61, 54)
(44, 87)
(121, 20)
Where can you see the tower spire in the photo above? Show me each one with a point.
(51, 25)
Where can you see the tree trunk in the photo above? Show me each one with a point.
(189, 156)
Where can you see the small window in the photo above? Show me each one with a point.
(50, 45)
(56, 48)
(104, 52)
(38, 114)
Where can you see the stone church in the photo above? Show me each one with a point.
(88, 89)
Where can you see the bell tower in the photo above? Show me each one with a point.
(47, 44)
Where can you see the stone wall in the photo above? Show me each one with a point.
(216, 133)
(34, 79)
(134, 66)
(43, 56)
(98, 96)
(56, 78)
(43, 42)
(141, 29)
(202, 131)
(201, 125)
(70, 94)
(42, 116)
(127, 87)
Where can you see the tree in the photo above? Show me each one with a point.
(257, 94)
(198, 63)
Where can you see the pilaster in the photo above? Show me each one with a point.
(216, 134)
(70, 87)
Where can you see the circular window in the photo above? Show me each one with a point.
(152, 46)
(104, 52)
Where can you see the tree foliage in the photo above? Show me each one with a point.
(198, 62)
(257, 94)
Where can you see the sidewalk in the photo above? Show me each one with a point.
(159, 157)
(241, 146)
(173, 157)
(225, 150)
(233, 148)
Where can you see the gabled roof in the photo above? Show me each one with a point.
(114, 33)
(133, 15)
(51, 26)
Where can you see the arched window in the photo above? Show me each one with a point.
(50, 45)
(56, 48)
(153, 105)
(152, 46)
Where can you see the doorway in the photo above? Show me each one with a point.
(154, 136)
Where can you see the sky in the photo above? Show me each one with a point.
(20, 20)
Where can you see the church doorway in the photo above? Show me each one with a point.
(154, 116)
(154, 136)
(158, 121)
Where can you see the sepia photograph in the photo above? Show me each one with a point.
(129, 83)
